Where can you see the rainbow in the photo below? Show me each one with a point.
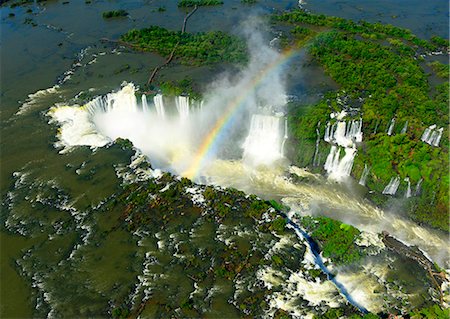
(231, 109)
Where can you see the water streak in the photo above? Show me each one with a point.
(408, 190)
(315, 161)
(338, 168)
(392, 187)
(365, 173)
(405, 128)
(159, 105)
(391, 127)
(432, 136)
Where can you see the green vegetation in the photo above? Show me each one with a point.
(441, 70)
(335, 313)
(249, 1)
(365, 29)
(175, 88)
(200, 3)
(380, 71)
(432, 312)
(114, 14)
(191, 49)
(336, 240)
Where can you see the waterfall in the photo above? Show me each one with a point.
(376, 127)
(344, 133)
(159, 105)
(327, 136)
(286, 136)
(418, 187)
(336, 167)
(437, 139)
(182, 103)
(263, 143)
(339, 134)
(329, 162)
(432, 136)
(122, 101)
(405, 128)
(391, 127)
(365, 173)
(426, 135)
(315, 163)
(408, 190)
(144, 103)
(392, 187)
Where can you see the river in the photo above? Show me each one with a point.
(61, 61)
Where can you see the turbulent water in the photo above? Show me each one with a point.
(119, 115)
(54, 239)
(165, 140)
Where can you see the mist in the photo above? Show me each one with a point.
(170, 140)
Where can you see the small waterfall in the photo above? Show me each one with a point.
(418, 187)
(159, 105)
(405, 128)
(392, 187)
(432, 136)
(182, 103)
(344, 133)
(336, 167)
(408, 190)
(315, 162)
(286, 136)
(376, 127)
(438, 137)
(327, 136)
(365, 173)
(426, 135)
(333, 157)
(263, 143)
(144, 103)
(391, 127)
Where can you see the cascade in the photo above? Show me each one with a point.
(418, 187)
(285, 136)
(182, 103)
(327, 136)
(344, 133)
(392, 187)
(339, 168)
(339, 135)
(263, 143)
(144, 103)
(315, 162)
(405, 128)
(329, 162)
(122, 101)
(408, 190)
(426, 135)
(391, 127)
(432, 136)
(437, 138)
(365, 173)
(159, 105)
(376, 127)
